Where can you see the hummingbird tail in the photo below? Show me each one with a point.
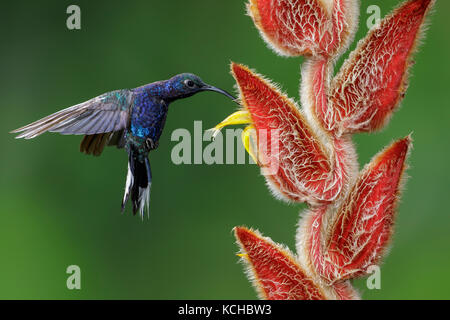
(138, 184)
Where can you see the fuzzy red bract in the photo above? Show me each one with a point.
(292, 28)
(304, 167)
(351, 215)
(305, 27)
(373, 81)
(362, 226)
(279, 277)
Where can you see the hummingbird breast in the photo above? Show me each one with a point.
(148, 116)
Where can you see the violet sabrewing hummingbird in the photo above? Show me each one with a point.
(129, 118)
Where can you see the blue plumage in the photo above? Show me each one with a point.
(131, 119)
(148, 116)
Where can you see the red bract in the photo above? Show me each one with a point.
(350, 219)
(307, 170)
(360, 228)
(373, 80)
(278, 275)
(305, 27)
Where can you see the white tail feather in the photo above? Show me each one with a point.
(128, 184)
(144, 200)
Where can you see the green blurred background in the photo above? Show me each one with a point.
(59, 207)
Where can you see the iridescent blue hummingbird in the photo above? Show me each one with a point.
(130, 118)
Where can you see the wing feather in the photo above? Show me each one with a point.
(106, 113)
(104, 124)
(77, 125)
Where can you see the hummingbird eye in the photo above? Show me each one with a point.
(189, 83)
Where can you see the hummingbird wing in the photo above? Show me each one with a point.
(102, 119)
(103, 114)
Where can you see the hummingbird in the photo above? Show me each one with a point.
(132, 119)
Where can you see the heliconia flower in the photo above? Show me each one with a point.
(350, 219)
(278, 275)
(343, 242)
(305, 27)
(373, 81)
(307, 167)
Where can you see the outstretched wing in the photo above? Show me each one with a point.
(106, 113)
(102, 119)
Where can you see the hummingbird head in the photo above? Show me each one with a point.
(187, 84)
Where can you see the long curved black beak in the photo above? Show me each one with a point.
(211, 88)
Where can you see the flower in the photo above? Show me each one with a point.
(351, 214)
